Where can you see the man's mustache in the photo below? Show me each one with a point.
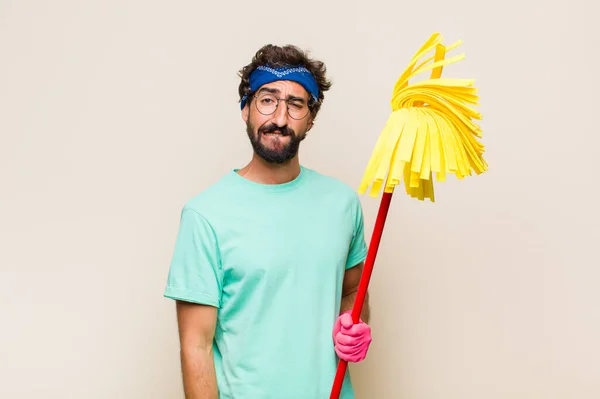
(284, 130)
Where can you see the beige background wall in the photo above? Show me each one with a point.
(114, 113)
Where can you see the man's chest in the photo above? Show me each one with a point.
(276, 246)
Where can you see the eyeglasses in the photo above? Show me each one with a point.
(267, 104)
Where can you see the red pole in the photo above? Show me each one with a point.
(364, 283)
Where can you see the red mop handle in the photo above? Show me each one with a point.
(364, 284)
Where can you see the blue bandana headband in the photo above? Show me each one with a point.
(264, 74)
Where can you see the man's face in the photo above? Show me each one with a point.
(276, 138)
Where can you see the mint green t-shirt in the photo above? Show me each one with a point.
(271, 258)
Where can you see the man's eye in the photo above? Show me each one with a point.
(266, 100)
(296, 105)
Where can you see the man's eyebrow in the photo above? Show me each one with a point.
(294, 98)
(275, 90)
(268, 89)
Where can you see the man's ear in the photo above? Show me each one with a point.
(245, 112)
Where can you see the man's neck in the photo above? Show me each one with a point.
(259, 171)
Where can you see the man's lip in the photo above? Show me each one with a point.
(275, 132)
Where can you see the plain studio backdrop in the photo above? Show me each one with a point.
(114, 113)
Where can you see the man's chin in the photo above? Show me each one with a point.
(274, 149)
(275, 157)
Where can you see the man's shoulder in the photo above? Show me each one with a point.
(331, 184)
(210, 198)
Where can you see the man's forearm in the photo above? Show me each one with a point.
(198, 370)
(348, 303)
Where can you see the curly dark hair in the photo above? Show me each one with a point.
(282, 56)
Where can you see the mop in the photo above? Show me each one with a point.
(430, 130)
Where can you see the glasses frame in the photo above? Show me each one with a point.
(309, 105)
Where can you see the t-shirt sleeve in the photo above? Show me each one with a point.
(195, 270)
(358, 247)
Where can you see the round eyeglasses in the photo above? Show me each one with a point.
(267, 104)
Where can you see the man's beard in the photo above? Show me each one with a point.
(270, 155)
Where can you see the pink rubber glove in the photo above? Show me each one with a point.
(351, 341)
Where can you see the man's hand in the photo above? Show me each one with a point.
(351, 341)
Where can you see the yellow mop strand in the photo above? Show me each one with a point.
(430, 129)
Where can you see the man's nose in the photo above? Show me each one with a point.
(280, 115)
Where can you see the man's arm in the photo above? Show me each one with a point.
(350, 289)
(196, 332)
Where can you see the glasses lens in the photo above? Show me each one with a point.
(266, 103)
(297, 109)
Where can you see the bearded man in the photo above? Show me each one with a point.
(268, 259)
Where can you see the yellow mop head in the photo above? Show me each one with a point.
(430, 129)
